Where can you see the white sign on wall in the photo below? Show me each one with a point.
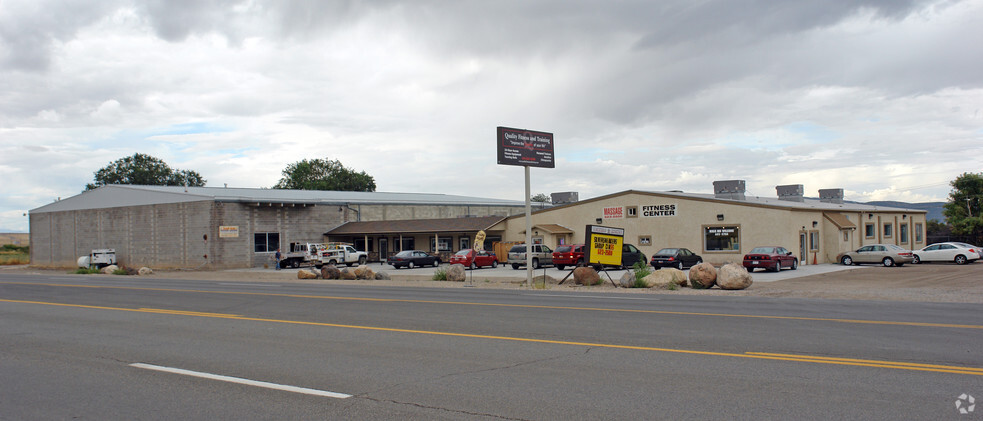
(659, 210)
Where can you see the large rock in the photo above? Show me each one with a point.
(363, 272)
(306, 274)
(348, 275)
(586, 275)
(660, 279)
(627, 280)
(144, 271)
(703, 276)
(382, 276)
(733, 276)
(455, 273)
(543, 280)
(678, 276)
(108, 270)
(330, 272)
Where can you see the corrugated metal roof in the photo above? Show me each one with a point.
(134, 195)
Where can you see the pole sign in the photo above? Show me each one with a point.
(525, 148)
(604, 245)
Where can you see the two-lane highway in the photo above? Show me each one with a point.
(124, 348)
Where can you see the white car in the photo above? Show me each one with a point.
(961, 253)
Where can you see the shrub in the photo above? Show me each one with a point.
(440, 274)
(121, 271)
(85, 271)
(641, 270)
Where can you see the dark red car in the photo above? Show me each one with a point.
(474, 259)
(568, 255)
(771, 258)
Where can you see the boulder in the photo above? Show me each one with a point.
(455, 273)
(627, 280)
(144, 271)
(330, 272)
(363, 272)
(733, 276)
(703, 276)
(660, 279)
(586, 275)
(382, 276)
(348, 275)
(543, 280)
(108, 270)
(677, 275)
(306, 274)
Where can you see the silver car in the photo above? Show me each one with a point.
(885, 254)
(541, 255)
(961, 253)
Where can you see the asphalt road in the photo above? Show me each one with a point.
(93, 347)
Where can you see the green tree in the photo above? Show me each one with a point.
(145, 170)
(324, 174)
(964, 211)
(541, 198)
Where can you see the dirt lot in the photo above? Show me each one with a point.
(927, 282)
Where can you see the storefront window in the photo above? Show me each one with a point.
(445, 243)
(408, 243)
(465, 243)
(813, 241)
(888, 230)
(721, 238)
(869, 230)
(266, 242)
(903, 228)
(918, 232)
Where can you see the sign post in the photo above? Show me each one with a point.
(526, 148)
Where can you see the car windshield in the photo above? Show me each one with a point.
(564, 249)
(406, 253)
(763, 250)
(464, 252)
(667, 252)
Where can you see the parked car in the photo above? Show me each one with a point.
(771, 258)
(961, 253)
(541, 255)
(675, 258)
(885, 254)
(568, 255)
(412, 258)
(474, 259)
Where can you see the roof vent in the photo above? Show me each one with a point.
(563, 198)
(729, 189)
(791, 192)
(831, 195)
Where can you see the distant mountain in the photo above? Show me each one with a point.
(934, 208)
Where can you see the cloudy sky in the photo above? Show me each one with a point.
(881, 98)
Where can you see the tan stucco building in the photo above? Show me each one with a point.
(724, 226)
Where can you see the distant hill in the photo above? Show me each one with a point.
(15, 238)
(934, 208)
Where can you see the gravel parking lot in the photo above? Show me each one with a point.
(936, 282)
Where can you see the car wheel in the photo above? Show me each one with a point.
(679, 265)
(560, 267)
(887, 262)
(494, 264)
(778, 266)
(436, 263)
(749, 270)
(535, 263)
(846, 261)
(318, 265)
(916, 260)
(580, 262)
(515, 266)
(295, 264)
(961, 260)
(361, 260)
(795, 264)
(333, 262)
(473, 266)
(410, 265)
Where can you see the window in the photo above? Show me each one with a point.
(445, 243)
(869, 230)
(721, 238)
(266, 242)
(361, 245)
(409, 243)
(813, 241)
(903, 233)
(918, 232)
(846, 235)
(464, 242)
(631, 211)
(645, 240)
(888, 229)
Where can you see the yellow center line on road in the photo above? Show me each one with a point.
(753, 355)
(465, 303)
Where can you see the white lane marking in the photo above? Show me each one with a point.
(250, 285)
(267, 385)
(592, 296)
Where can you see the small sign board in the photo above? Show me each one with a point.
(228, 231)
(525, 148)
(604, 245)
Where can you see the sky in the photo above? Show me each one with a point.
(883, 99)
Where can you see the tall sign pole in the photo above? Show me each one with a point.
(526, 148)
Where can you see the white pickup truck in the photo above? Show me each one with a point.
(337, 253)
(300, 254)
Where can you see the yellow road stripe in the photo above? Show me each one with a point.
(465, 303)
(755, 355)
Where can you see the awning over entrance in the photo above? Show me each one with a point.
(840, 220)
(415, 226)
(550, 229)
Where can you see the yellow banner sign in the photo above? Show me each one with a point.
(228, 231)
(605, 245)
